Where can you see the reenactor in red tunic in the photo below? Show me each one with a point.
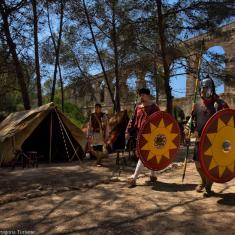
(141, 113)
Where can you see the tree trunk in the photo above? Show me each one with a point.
(163, 54)
(56, 46)
(98, 54)
(37, 65)
(12, 49)
(61, 88)
(85, 76)
(114, 41)
(156, 78)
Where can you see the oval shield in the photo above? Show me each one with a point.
(158, 141)
(217, 146)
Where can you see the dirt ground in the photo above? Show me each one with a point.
(70, 199)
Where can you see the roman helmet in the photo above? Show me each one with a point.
(207, 83)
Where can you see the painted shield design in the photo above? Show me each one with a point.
(158, 141)
(217, 146)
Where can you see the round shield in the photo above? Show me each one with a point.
(158, 141)
(217, 146)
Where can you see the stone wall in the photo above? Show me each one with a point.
(192, 56)
(185, 103)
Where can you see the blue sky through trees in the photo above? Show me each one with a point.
(178, 82)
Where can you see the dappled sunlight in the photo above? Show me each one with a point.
(81, 202)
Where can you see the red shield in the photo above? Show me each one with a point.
(158, 141)
(217, 147)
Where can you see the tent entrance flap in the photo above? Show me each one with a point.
(61, 147)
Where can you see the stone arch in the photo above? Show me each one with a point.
(189, 49)
(229, 48)
(224, 37)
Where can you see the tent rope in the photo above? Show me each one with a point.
(75, 151)
(66, 149)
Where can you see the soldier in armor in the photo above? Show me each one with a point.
(97, 133)
(208, 104)
(142, 111)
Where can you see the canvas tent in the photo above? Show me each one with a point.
(45, 130)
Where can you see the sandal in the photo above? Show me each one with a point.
(200, 188)
(153, 179)
(132, 182)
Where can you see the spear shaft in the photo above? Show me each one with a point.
(193, 104)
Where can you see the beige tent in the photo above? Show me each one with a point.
(45, 130)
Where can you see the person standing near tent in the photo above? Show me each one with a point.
(141, 113)
(97, 133)
(203, 110)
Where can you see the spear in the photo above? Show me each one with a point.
(193, 104)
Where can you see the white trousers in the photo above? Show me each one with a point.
(138, 169)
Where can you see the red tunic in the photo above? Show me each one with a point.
(140, 115)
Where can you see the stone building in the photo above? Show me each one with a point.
(190, 50)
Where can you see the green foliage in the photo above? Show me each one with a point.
(11, 102)
(71, 111)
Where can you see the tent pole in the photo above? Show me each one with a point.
(50, 139)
